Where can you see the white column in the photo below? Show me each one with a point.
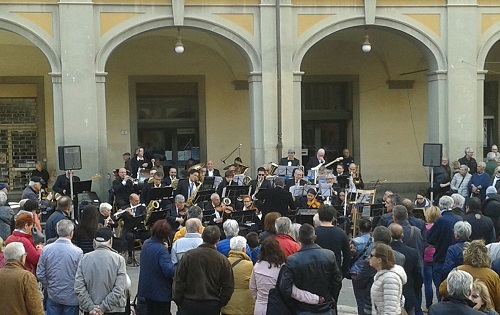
(256, 120)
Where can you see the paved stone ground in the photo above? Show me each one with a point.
(347, 304)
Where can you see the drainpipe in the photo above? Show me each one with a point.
(279, 146)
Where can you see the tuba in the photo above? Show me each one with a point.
(241, 168)
(273, 168)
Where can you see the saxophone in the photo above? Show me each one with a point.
(191, 198)
(152, 206)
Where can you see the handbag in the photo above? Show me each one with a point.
(37, 236)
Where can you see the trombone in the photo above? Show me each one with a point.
(223, 160)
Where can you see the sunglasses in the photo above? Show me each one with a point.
(474, 296)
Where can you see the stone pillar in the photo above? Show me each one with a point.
(437, 111)
(291, 85)
(269, 121)
(295, 126)
(83, 118)
(465, 115)
(256, 118)
(58, 113)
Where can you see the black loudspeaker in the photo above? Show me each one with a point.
(433, 152)
(70, 157)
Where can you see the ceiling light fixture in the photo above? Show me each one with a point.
(179, 46)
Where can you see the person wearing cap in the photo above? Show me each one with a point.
(101, 278)
(276, 199)
(32, 191)
(62, 185)
(290, 160)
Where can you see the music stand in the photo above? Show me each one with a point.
(155, 216)
(285, 171)
(364, 198)
(297, 191)
(161, 193)
(238, 216)
(377, 210)
(239, 179)
(235, 191)
(307, 187)
(321, 179)
(325, 190)
(203, 196)
(248, 216)
(208, 183)
(305, 216)
(78, 188)
(217, 181)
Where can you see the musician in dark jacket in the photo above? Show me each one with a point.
(290, 160)
(139, 161)
(276, 199)
(226, 181)
(123, 188)
(62, 184)
(188, 186)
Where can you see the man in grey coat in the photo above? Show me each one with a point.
(101, 278)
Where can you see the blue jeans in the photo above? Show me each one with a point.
(432, 273)
(59, 309)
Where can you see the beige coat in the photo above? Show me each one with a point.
(241, 302)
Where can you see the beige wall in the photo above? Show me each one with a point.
(393, 123)
(227, 109)
(21, 59)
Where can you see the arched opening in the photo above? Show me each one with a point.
(491, 100)
(26, 113)
(178, 106)
(376, 104)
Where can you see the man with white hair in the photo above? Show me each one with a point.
(231, 229)
(32, 191)
(20, 295)
(241, 301)
(479, 182)
(59, 256)
(441, 233)
(283, 229)
(175, 212)
(316, 160)
(491, 163)
(101, 278)
(459, 285)
(190, 240)
(468, 160)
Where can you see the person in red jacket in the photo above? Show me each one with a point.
(283, 231)
(22, 233)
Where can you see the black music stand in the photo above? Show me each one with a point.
(161, 193)
(305, 216)
(203, 196)
(208, 183)
(78, 188)
(325, 190)
(136, 222)
(236, 191)
(238, 216)
(155, 216)
(377, 210)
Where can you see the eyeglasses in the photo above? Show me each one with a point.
(474, 296)
(261, 174)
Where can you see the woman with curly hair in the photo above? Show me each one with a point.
(477, 263)
(480, 296)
